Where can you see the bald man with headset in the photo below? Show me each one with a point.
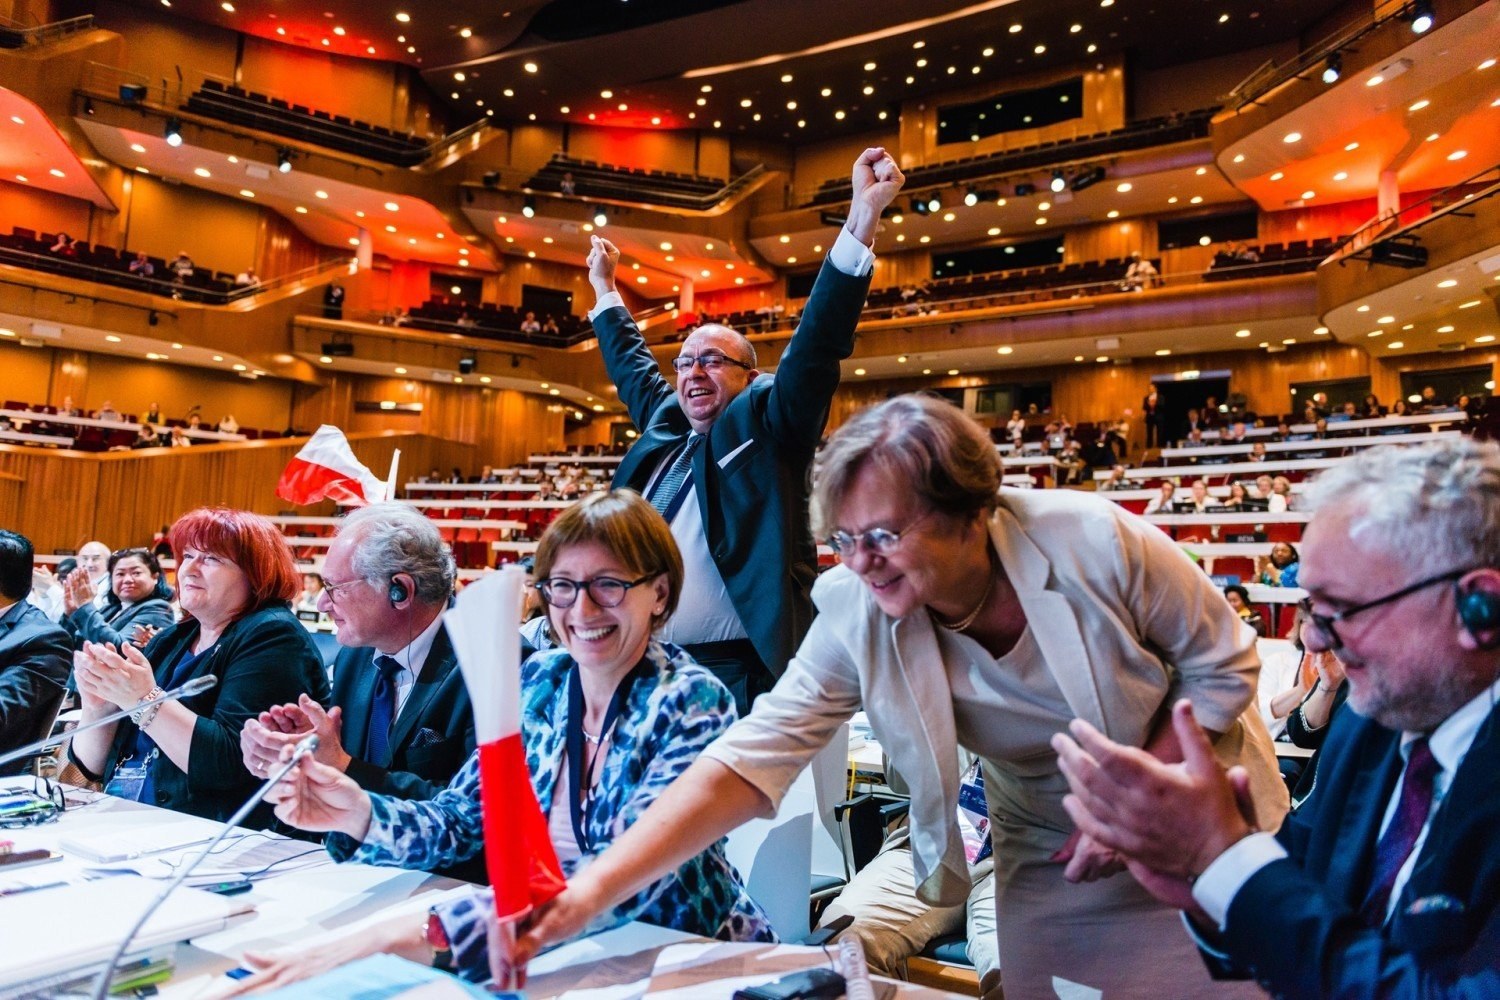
(401, 723)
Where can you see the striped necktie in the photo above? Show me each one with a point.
(664, 495)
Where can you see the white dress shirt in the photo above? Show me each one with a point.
(412, 657)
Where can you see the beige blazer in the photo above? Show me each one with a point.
(1126, 622)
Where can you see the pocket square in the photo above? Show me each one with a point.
(1435, 904)
(426, 738)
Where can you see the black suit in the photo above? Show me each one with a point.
(35, 659)
(430, 739)
(750, 474)
(1295, 923)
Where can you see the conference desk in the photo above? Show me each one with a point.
(307, 520)
(1309, 444)
(1251, 470)
(1387, 424)
(491, 504)
(315, 899)
(473, 487)
(22, 437)
(574, 459)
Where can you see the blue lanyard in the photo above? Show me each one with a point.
(581, 793)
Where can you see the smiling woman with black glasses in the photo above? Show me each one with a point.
(608, 721)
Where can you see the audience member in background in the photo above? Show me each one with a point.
(1239, 599)
(703, 443)
(194, 420)
(34, 653)
(487, 475)
(179, 438)
(1211, 416)
(1198, 493)
(1307, 724)
(181, 266)
(1429, 401)
(1371, 407)
(1264, 488)
(529, 323)
(1236, 500)
(549, 327)
(312, 593)
(1285, 678)
(1281, 494)
(333, 301)
(229, 425)
(141, 265)
(1346, 412)
(1257, 452)
(67, 409)
(1400, 409)
(1140, 275)
(1193, 421)
(107, 411)
(65, 246)
(1384, 882)
(93, 559)
(1283, 431)
(247, 279)
(146, 437)
(455, 475)
(465, 321)
(1310, 414)
(1166, 495)
(153, 415)
(1194, 439)
(236, 581)
(1057, 434)
(161, 543)
(1117, 437)
(1280, 568)
(1235, 434)
(1116, 480)
(608, 563)
(908, 493)
(545, 490)
(893, 923)
(1070, 465)
(1153, 419)
(47, 588)
(400, 724)
(1015, 428)
(567, 185)
(138, 596)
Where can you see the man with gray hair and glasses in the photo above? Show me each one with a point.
(401, 723)
(1386, 881)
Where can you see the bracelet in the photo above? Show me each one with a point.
(146, 714)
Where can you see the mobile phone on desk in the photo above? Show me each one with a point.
(809, 984)
(24, 859)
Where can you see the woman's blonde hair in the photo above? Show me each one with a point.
(629, 528)
(927, 444)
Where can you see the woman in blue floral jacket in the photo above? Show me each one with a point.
(614, 711)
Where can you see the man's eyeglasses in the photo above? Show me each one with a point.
(1323, 625)
(332, 589)
(711, 362)
(605, 591)
(881, 541)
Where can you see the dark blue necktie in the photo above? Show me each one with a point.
(664, 495)
(1396, 844)
(382, 712)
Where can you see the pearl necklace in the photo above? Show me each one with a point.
(969, 619)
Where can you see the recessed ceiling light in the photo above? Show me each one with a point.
(1309, 195)
(56, 173)
(1239, 157)
(529, 67)
(1445, 329)
(1040, 49)
(1172, 200)
(1162, 352)
(1201, 171)
(949, 216)
(925, 239)
(1362, 309)
(466, 33)
(1375, 333)
(202, 172)
(1419, 105)
(228, 7)
(859, 371)
(1102, 358)
(1342, 175)
(1487, 338)
(390, 229)
(1278, 175)
(1242, 333)
(1123, 187)
(1434, 137)
(137, 147)
(246, 193)
(1292, 137)
(1005, 350)
(1447, 283)
(403, 17)
(1386, 319)
(1375, 81)
(1320, 330)
(1470, 304)
(1351, 147)
(1289, 341)
(1458, 154)
(1113, 213)
(1395, 345)
(993, 231)
(1196, 199)
(320, 194)
(112, 338)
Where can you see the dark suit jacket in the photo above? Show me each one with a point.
(1295, 924)
(88, 624)
(750, 475)
(35, 659)
(265, 658)
(430, 739)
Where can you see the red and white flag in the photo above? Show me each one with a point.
(326, 469)
(523, 867)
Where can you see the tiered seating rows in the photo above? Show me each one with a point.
(295, 121)
(605, 180)
(1275, 258)
(107, 265)
(1080, 276)
(501, 322)
(1138, 135)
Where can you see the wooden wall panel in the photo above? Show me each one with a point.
(1111, 239)
(365, 89)
(68, 498)
(548, 274)
(25, 373)
(1315, 221)
(652, 149)
(911, 267)
(223, 235)
(282, 247)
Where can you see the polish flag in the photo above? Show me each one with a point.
(523, 867)
(326, 469)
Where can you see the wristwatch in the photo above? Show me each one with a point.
(436, 936)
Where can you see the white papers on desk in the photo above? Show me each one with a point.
(247, 856)
(152, 835)
(53, 931)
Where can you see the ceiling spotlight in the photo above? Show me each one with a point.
(971, 198)
(1333, 68)
(1421, 17)
(919, 205)
(528, 207)
(1025, 190)
(600, 219)
(1058, 182)
(173, 132)
(284, 160)
(934, 202)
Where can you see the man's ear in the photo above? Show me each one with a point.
(1477, 596)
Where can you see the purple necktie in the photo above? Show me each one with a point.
(1400, 836)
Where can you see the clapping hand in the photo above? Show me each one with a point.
(77, 591)
(119, 678)
(263, 738)
(142, 635)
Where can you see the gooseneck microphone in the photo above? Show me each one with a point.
(197, 685)
(304, 747)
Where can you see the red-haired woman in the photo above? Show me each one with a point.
(236, 580)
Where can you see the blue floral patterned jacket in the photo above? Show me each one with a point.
(670, 716)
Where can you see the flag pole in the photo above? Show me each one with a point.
(390, 481)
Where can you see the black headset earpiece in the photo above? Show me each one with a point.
(1479, 610)
(398, 592)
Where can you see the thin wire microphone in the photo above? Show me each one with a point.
(304, 747)
(197, 685)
